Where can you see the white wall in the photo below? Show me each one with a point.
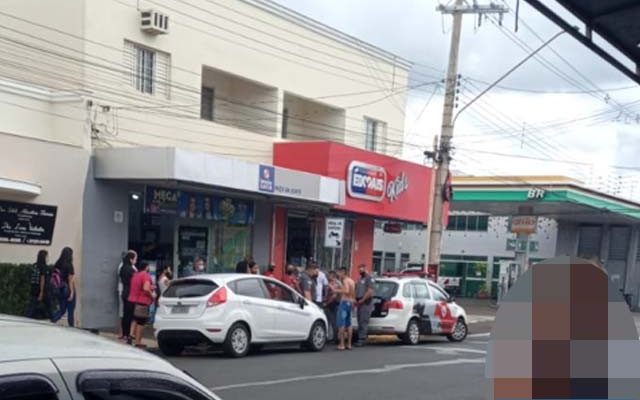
(309, 120)
(491, 243)
(265, 48)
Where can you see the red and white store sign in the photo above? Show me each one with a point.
(376, 184)
(369, 182)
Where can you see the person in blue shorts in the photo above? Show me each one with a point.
(343, 318)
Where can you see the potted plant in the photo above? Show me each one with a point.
(483, 293)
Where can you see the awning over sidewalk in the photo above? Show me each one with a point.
(561, 201)
(173, 164)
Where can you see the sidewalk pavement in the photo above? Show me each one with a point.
(147, 340)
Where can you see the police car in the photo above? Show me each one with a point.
(411, 307)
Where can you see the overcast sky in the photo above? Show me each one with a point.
(521, 123)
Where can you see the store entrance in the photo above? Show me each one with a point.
(299, 241)
(151, 236)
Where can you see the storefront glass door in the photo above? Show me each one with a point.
(233, 243)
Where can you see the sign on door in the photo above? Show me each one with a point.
(333, 232)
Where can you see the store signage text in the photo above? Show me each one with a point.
(24, 223)
(524, 224)
(334, 232)
(369, 182)
(288, 190)
(397, 186)
(266, 180)
(193, 205)
(535, 194)
(366, 181)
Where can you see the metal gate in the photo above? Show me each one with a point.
(590, 239)
(619, 241)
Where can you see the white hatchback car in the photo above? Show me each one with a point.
(410, 307)
(43, 361)
(237, 311)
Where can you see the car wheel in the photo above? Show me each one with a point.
(170, 349)
(317, 337)
(238, 341)
(460, 331)
(412, 335)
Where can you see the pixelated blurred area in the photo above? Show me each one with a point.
(564, 331)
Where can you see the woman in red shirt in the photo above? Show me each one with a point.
(290, 279)
(142, 295)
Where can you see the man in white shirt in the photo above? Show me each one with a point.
(321, 285)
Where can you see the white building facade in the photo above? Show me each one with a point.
(473, 246)
(106, 103)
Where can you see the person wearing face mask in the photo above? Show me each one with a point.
(289, 278)
(198, 268)
(364, 302)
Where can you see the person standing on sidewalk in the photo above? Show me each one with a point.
(271, 271)
(165, 278)
(243, 266)
(141, 295)
(347, 301)
(67, 296)
(331, 303)
(308, 283)
(321, 288)
(39, 295)
(290, 278)
(199, 268)
(127, 271)
(364, 302)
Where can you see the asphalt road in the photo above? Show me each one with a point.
(435, 369)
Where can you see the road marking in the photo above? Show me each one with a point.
(476, 342)
(476, 335)
(386, 368)
(474, 319)
(447, 349)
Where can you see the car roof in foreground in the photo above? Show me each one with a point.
(25, 339)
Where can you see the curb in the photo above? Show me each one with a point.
(150, 343)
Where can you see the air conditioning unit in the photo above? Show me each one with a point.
(154, 22)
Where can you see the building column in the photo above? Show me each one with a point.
(279, 240)
(362, 247)
(604, 244)
(489, 277)
(522, 258)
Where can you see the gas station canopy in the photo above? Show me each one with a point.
(615, 21)
(558, 198)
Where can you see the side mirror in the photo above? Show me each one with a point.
(451, 299)
(302, 302)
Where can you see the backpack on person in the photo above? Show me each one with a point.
(56, 282)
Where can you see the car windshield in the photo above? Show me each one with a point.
(190, 288)
(385, 290)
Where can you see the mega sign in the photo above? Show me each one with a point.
(369, 182)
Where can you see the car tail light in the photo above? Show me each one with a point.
(218, 297)
(393, 305)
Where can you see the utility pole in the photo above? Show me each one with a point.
(442, 154)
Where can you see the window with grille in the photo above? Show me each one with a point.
(374, 130)
(370, 134)
(149, 70)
